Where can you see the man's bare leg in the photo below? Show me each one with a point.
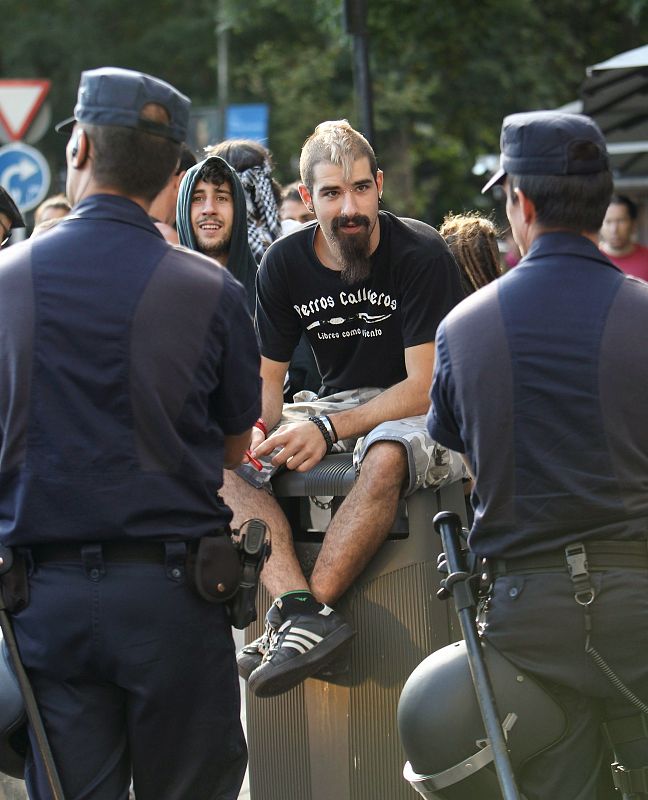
(301, 634)
(281, 572)
(310, 638)
(362, 522)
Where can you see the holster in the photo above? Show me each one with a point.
(224, 570)
(215, 567)
(14, 584)
(254, 550)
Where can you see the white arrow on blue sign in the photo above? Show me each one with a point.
(25, 174)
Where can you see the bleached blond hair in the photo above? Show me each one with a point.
(337, 142)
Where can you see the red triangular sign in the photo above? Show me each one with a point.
(20, 100)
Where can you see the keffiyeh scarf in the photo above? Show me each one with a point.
(263, 223)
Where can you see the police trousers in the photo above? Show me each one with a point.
(534, 621)
(134, 675)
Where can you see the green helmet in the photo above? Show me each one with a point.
(441, 727)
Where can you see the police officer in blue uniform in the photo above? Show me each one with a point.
(541, 382)
(129, 380)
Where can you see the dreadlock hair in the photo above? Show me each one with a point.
(472, 240)
(337, 142)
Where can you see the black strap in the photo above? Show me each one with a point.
(626, 729)
(138, 550)
(601, 555)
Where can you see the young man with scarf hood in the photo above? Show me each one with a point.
(253, 165)
(211, 218)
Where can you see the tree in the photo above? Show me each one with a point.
(444, 73)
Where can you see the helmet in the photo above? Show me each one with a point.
(13, 720)
(442, 731)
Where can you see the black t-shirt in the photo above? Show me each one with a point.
(358, 332)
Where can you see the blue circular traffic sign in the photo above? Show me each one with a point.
(25, 174)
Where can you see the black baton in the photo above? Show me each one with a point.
(448, 526)
(33, 714)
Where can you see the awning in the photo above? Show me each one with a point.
(615, 94)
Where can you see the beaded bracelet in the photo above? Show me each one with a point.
(323, 430)
(260, 424)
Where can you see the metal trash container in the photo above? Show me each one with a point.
(338, 739)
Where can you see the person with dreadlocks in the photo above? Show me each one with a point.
(472, 240)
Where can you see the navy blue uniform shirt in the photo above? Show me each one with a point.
(123, 364)
(541, 379)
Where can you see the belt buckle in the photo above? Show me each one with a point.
(576, 557)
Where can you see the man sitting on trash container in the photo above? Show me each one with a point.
(369, 290)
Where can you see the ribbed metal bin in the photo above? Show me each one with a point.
(338, 740)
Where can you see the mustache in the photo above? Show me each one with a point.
(342, 221)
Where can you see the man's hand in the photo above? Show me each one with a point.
(301, 444)
(257, 438)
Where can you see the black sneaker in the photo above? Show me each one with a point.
(299, 648)
(250, 657)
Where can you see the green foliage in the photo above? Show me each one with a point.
(444, 74)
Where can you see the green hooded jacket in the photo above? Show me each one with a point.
(240, 261)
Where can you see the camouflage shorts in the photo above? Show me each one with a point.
(430, 464)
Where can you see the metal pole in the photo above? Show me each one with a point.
(356, 25)
(448, 525)
(222, 68)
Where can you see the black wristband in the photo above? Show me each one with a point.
(328, 422)
(323, 430)
(335, 433)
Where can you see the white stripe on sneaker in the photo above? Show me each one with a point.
(314, 637)
(299, 642)
(296, 646)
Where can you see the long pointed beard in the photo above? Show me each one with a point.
(352, 249)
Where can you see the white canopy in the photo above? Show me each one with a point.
(615, 94)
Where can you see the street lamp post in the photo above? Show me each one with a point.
(222, 67)
(355, 17)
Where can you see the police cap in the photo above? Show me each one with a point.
(543, 143)
(115, 96)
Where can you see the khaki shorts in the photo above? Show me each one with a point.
(430, 464)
